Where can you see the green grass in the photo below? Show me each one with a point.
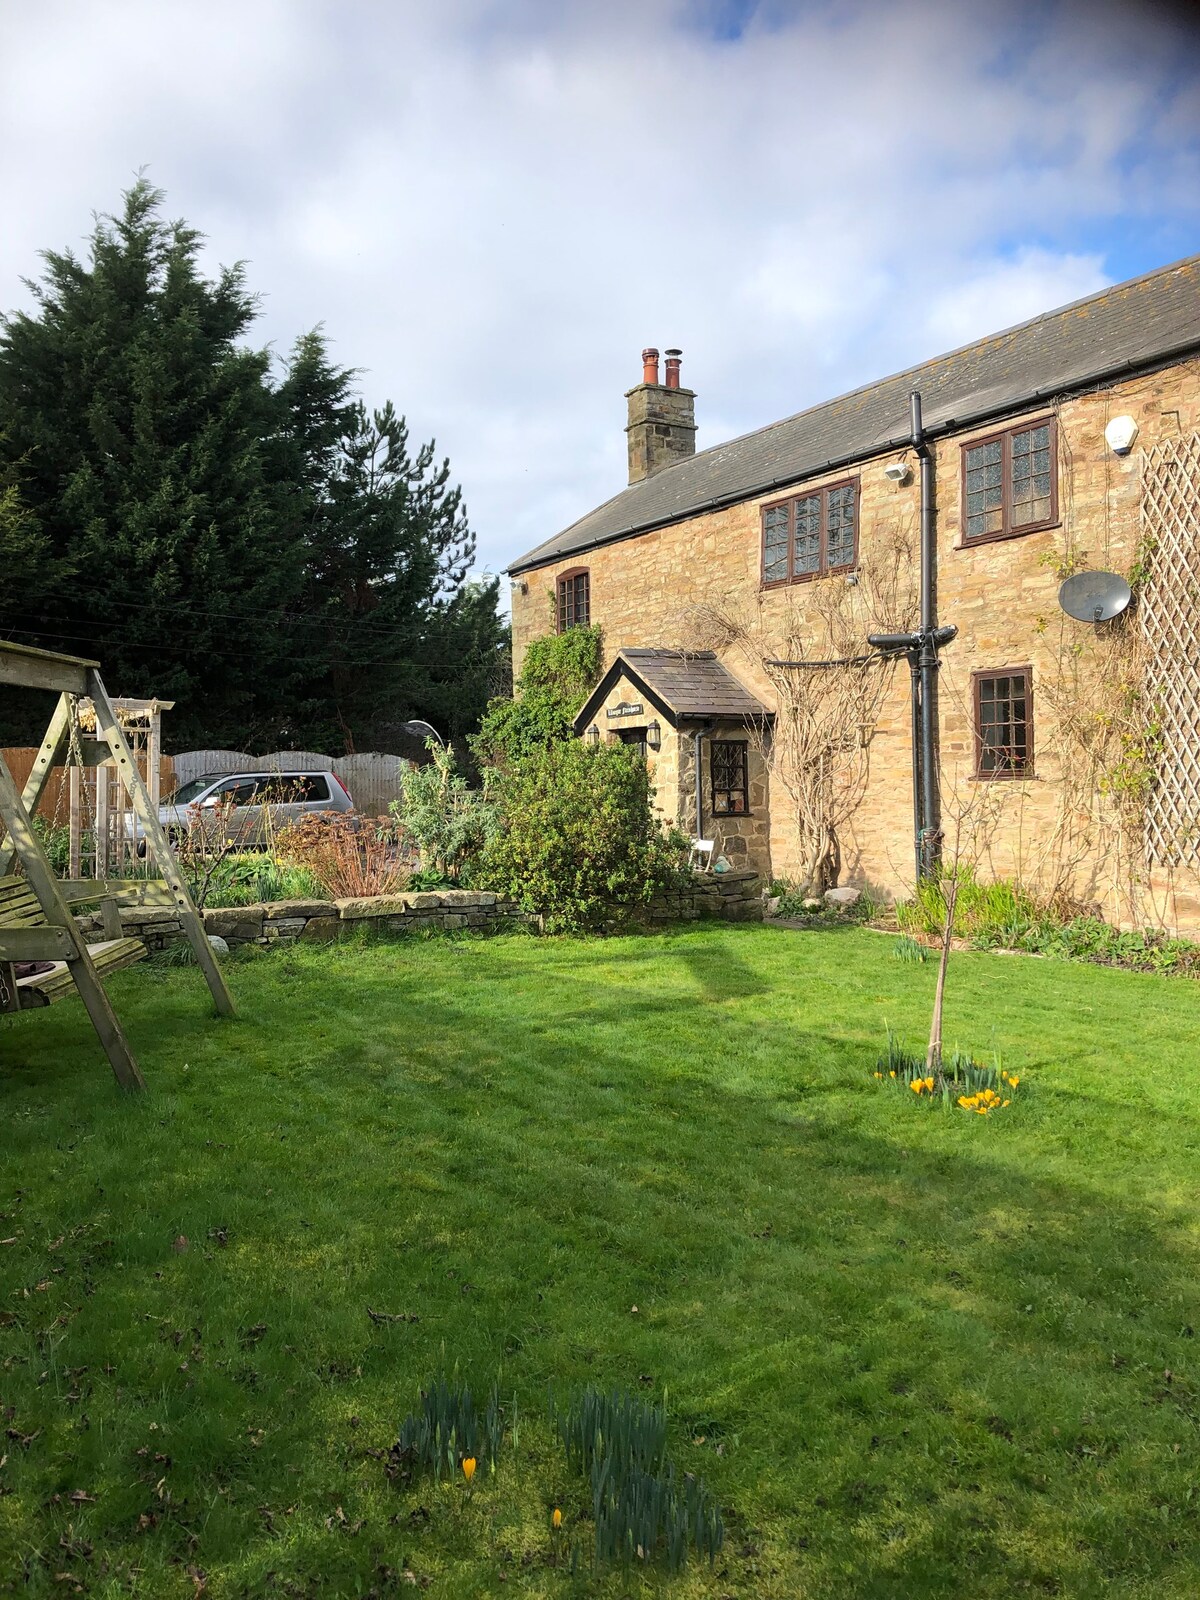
(912, 1352)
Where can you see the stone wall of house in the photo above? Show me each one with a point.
(744, 840)
(733, 896)
(1002, 596)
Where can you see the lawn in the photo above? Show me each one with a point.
(914, 1352)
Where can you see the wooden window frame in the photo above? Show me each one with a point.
(977, 677)
(790, 501)
(712, 780)
(1006, 436)
(559, 585)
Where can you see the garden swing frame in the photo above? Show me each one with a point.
(58, 937)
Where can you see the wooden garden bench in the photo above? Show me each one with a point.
(20, 910)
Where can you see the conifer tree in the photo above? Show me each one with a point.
(143, 425)
(272, 556)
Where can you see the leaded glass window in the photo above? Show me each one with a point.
(807, 550)
(839, 532)
(776, 535)
(1003, 724)
(730, 793)
(1031, 498)
(812, 535)
(985, 489)
(1010, 483)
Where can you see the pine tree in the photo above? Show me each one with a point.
(389, 626)
(271, 556)
(145, 430)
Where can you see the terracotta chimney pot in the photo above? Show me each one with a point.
(673, 358)
(650, 366)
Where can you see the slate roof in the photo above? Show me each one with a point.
(1132, 326)
(680, 684)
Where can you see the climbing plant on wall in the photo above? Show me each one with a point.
(828, 688)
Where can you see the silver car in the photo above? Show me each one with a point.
(252, 805)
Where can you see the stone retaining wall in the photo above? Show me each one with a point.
(733, 896)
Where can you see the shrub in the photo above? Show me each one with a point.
(578, 839)
(556, 677)
(348, 856)
(448, 822)
(56, 842)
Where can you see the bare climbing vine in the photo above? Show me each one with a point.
(1108, 745)
(809, 644)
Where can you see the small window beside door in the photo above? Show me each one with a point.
(730, 789)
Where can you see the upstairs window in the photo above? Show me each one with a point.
(574, 601)
(1004, 724)
(811, 535)
(1010, 483)
(730, 792)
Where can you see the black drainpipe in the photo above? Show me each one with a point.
(921, 649)
(914, 657)
(930, 840)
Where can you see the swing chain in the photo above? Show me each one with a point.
(87, 791)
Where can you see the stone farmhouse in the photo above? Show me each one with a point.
(736, 590)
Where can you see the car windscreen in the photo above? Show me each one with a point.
(188, 792)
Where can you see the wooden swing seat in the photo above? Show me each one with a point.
(36, 924)
(20, 908)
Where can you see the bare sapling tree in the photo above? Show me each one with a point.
(970, 808)
(809, 644)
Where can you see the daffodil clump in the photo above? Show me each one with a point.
(643, 1509)
(446, 1432)
(960, 1081)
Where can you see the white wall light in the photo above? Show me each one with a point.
(1120, 434)
(897, 471)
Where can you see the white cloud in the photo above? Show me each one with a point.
(1000, 294)
(493, 206)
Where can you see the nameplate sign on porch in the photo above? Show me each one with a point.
(626, 708)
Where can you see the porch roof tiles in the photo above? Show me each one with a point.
(683, 685)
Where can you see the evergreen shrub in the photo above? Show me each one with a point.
(578, 839)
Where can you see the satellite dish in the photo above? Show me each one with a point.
(1094, 596)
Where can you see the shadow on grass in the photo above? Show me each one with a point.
(940, 1367)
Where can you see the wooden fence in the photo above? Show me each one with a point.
(373, 779)
(56, 801)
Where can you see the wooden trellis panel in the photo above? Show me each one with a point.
(1170, 612)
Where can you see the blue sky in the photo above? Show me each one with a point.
(493, 205)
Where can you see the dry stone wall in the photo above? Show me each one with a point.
(732, 896)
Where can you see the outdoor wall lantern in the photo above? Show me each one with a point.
(653, 736)
(593, 734)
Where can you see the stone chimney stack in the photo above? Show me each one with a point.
(662, 419)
